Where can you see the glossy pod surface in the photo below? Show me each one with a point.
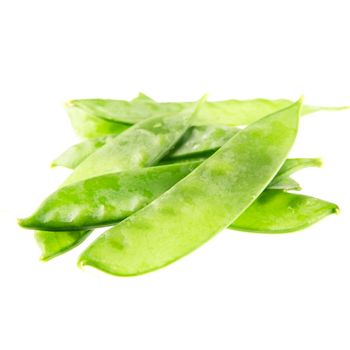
(273, 212)
(123, 153)
(228, 112)
(232, 178)
(141, 145)
(277, 211)
(107, 199)
(197, 141)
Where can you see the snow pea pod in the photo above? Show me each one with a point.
(276, 211)
(141, 145)
(209, 199)
(197, 141)
(228, 112)
(273, 212)
(59, 202)
(107, 199)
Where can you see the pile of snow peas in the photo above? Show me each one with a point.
(167, 177)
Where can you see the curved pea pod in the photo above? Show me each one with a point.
(277, 211)
(209, 199)
(197, 141)
(274, 212)
(91, 193)
(141, 145)
(97, 130)
(106, 199)
(228, 112)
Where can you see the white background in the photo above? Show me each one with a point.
(240, 291)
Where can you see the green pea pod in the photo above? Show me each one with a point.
(276, 211)
(229, 112)
(141, 145)
(107, 199)
(197, 141)
(92, 191)
(209, 199)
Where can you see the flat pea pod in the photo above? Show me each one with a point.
(55, 243)
(141, 145)
(197, 141)
(107, 199)
(276, 211)
(206, 201)
(228, 112)
(273, 212)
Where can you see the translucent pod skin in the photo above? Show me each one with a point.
(206, 201)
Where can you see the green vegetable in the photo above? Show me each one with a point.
(55, 243)
(197, 141)
(274, 211)
(229, 112)
(277, 211)
(182, 219)
(171, 176)
(141, 145)
(107, 199)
